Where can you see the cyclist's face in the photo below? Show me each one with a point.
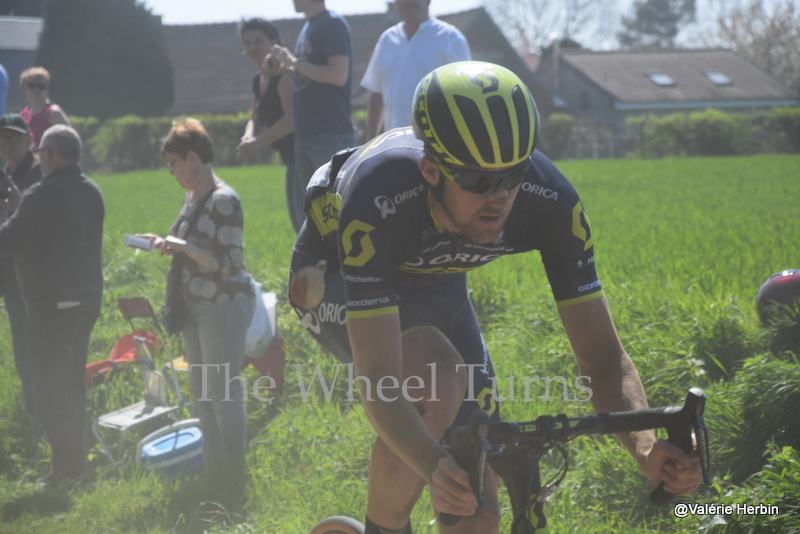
(478, 217)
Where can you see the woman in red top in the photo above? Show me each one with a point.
(40, 114)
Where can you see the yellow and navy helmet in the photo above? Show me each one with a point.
(476, 114)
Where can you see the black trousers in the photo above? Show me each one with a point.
(59, 347)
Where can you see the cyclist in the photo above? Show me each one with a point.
(392, 228)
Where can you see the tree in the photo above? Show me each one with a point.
(655, 23)
(533, 24)
(107, 58)
(766, 35)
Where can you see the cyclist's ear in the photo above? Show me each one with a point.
(430, 171)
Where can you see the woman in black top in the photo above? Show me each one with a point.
(271, 120)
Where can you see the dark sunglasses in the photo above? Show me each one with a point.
(481, 182)
(34, 85)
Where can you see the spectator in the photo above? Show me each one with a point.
(206, 246)
(21, 171)
(271, 119)
(323, 123)
(405, 53)
(56, 235)
(3, 89)
(40, 113)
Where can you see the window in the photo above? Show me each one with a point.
(660, 79)
(717, 78)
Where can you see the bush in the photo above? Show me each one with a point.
(785, 123)
(715, 133)
(669, 136)
(761, 406)
(125, 144)
(132, 142)
(555, 135)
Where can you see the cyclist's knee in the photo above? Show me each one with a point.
(307, 287)
(427, 350)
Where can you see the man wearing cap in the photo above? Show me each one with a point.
(20, 172)
(55, 237)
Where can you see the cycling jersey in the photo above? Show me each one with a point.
(372, 211)
(369, 220)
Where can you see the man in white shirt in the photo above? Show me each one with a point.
(405, 53)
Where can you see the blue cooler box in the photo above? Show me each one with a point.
(174, 450)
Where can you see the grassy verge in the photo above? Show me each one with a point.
(682, 247)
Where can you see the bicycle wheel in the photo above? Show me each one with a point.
(339, 524)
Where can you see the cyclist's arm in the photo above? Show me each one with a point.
(616, 386)
(376, 347)
(615, 383)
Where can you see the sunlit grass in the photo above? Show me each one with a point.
(682, 246)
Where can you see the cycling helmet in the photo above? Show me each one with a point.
(779, 292)
(475, 114)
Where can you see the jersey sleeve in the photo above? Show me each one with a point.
(570, 264)
(565, 235)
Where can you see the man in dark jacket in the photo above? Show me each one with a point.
(21, 171)
(56, 238)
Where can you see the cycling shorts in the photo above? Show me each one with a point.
(444, 306)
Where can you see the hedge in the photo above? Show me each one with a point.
(715, 133)
(131, 142)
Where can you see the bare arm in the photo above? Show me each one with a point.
(374, 114)
(377, 353)
(250, 143)
(203, 257)
(616, 386)
(285, 125)
(334, 72)
(250, 128)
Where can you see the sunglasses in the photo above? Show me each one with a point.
(481, 182)
(33, 85)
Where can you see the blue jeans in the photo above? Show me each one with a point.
(311, 151)
(214, 337)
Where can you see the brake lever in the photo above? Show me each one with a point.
(681, 436)
(470, 447)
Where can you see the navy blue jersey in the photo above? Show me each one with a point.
(369, 213)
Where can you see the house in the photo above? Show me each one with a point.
(605, 88)
(212, 76)
(19, 39)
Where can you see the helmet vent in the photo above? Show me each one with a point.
(502, 125)
(480, 138)
(521, 108)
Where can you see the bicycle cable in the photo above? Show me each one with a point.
(548, 489)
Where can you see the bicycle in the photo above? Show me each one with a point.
(514, 449)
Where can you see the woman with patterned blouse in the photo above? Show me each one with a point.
(219, 300)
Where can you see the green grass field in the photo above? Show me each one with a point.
(682, 246)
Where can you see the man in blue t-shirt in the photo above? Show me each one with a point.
(321, 109)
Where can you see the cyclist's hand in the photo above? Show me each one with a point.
(450, 489)
(679, 471)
